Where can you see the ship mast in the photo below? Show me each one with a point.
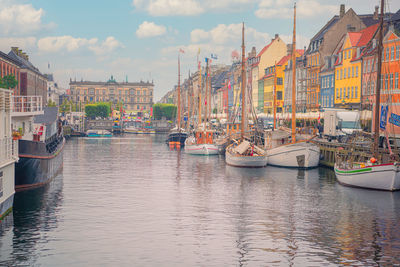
(243, 85)
(206, 97)
(200, 88)
(294, 79)
(188, 102)
(378, 84)
(179, 94)
(275, 98)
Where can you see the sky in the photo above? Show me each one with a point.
(140, 39)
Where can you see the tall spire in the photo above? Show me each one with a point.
(294, 78)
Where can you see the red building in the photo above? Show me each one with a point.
(9, 66)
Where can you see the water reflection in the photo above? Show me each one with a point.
(130, 201)
(35, 215)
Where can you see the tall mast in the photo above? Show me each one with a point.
(179, 93)
(378, 84)
(275, 98)
(243, 86)
(206, 98)
(188, 102)
(199, 112)
(294, 79)
(209, 93)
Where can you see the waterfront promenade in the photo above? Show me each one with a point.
(129, 201)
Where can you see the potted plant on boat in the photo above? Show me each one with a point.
(16, 135)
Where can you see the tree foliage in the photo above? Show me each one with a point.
(8, 82)
(164, 110)
(51, 103)
(100, 109)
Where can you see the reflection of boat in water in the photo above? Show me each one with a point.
(98, 133)
(41, 159)
(35, 212)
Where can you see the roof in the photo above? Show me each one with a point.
(107, 83)
(23, 63)
(217, 81)
(324, 29)
(265, 48)
(367, 34)
(49, 116)
(354, 38)
(7, 57)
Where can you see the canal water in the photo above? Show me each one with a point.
(129, 201)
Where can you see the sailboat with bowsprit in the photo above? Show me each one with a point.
(295, 150)
(382, 171)
(244, 152)
(177, 136)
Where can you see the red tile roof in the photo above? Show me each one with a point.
(354, 38)
(367, 35)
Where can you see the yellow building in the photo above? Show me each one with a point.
(276, 73)
(266, 58)
(348, 68)
(135, 97)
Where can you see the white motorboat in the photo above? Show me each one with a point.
(297, 155)
(245, 155)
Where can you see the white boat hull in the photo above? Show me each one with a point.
(379, 177)
(201, 149)
(297, 155)
(245, 161)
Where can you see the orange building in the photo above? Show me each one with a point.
(390, 93)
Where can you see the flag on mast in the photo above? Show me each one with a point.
(181, 51)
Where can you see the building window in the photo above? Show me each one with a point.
(391, 81)
(387, 54)
(348, 72)
(397, 52)
(138, 107)
(392, 53)
(386, 81)
(279, 81)
(279, 95)
(341, 74)
(352, 72)
(131, 91)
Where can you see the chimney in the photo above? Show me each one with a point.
(14, 49)
(376, 13)
(253, 51)
(342, 11)
(276, 36)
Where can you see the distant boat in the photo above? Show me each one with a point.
(202, 141)
(177, 136)
(98, 133)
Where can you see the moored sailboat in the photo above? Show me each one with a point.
(382, 171)
(243, 153)
(202, 141)
(294, 151)
(177, 136)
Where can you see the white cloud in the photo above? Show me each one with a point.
(190, 7)
(268, 9)
(107, 46)
(21, 19)
(25, 43)
(150, 29)
(228, 34)
(66, 42)
(169, 7)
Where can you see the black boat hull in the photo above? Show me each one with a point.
(177, 137)
(37, 167)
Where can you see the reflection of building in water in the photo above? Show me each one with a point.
(368, 228)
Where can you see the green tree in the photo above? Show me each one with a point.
(8, 82)
(97, 110)
(164, 110)
(50, 103)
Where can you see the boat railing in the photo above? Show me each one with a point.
(26, 104)
(8, 150)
